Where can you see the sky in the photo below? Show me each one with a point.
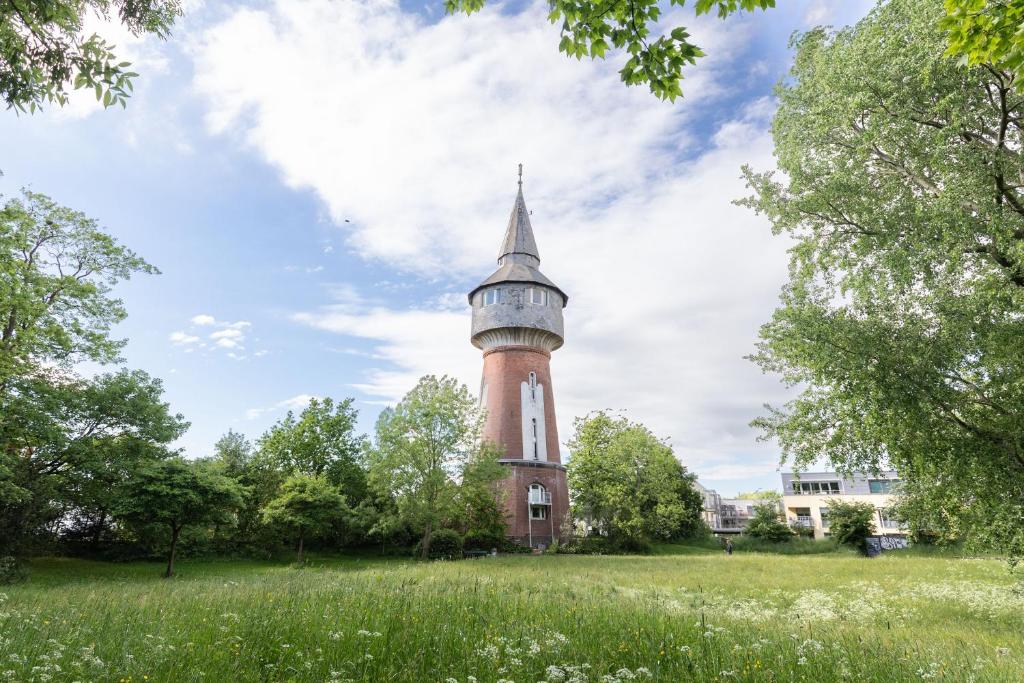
(321, 182)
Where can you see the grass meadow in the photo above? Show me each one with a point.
(687, 615)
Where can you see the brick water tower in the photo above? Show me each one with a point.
(517, 322)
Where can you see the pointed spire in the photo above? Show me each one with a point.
(519, 241)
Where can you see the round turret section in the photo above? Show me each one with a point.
(517, 305)
(517, 313)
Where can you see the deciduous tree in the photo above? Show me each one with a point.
(850, 523)
(57, 269)
(44, 50)
(421, 449)
(903, 195)
(656, 54)
(66, 443)
(321, 441)
(306, 506)
(176, 493)
(767, 524)
(628, 483)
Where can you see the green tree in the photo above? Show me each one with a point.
(67, 442)
(422, 448)
(176, 493)
(767, 524)
(234, 452)
(307, 506)
(57, 269)
(851, 523)
(987, 32)
(628, 483)
(592, 27)
(44, 50)
(480, 501)
(760, 494)
(321, 441)
(902, 320)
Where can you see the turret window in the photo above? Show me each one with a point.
(492, 296)
(536, 295)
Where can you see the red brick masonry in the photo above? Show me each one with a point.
(505, 369)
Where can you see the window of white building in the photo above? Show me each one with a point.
(882, 485)
(815, 488)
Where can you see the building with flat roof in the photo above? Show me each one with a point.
(727, 516)
(806, 497)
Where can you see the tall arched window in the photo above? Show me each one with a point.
(539, 499)
(535, 454)
(533, 387)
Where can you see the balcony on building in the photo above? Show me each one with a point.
(540, 497)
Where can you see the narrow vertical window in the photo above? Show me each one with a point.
(536, 456)
(533, 386)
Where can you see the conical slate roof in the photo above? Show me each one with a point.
(519, 234)
(519, 259)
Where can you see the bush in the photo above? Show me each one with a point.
(852, 523)
(630, 546)
(603, 545)
(510, 546)
(483, 540)
(767, 526)
(445, 544)
(12, 570)
(802, 531)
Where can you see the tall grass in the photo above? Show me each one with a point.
(701, 616)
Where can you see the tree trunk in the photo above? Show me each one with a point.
(425, 543)
(175, 530)
(300, 547)
(98, 531)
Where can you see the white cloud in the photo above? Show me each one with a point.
(415, 143)
(203, 319)
(226, 335)
(295, 403)
(182, 338)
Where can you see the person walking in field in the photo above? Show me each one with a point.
(728, 546)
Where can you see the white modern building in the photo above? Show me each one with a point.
(806, 497)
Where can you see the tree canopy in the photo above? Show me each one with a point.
(175, 493)
(592, 27)
(628, 484)
(903, 193)
(306, 506)
(57, 268)
(987, 32)
(321, 441)
(44, 50)
(422, 449)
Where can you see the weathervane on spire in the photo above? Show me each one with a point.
(520, 175)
